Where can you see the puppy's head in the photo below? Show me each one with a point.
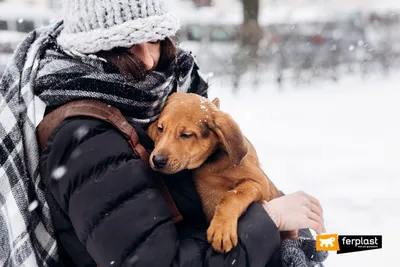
(189, 130)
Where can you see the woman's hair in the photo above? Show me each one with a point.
(130, 65)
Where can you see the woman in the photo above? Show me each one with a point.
(104, 208)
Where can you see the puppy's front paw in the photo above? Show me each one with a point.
(222, 233)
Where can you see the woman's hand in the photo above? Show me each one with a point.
(296, 211)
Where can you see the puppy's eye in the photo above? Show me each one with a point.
(186, 135)
(160, 129)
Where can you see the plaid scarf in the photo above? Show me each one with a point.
(40, 68)
(64, 76)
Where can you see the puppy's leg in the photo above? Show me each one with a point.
(222, 233)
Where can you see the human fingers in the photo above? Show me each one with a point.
(315, 217)
(316, 209)
(315, 202)
(311, 224)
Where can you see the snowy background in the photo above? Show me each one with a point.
(331, 129)
(338, 142)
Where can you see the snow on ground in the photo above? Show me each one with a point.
(337, 141)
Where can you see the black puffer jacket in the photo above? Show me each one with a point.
(107, 212)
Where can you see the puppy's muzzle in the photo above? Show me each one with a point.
(160, 161)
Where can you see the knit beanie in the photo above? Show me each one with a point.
(94, 25)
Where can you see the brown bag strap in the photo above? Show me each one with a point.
(102, 111)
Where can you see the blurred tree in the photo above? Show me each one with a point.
(251, 31)
(251, 9)
(249, 38)
(201, 3)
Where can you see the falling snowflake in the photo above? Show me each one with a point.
(112, 263)
(133, 260)
(20, 109)
(81, 132)
(59, 172)
(151, 195)
(76, 153)
(33, 205)
(351, 48)
(233, 262)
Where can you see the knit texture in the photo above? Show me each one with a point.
(301, 252)
(91, 26)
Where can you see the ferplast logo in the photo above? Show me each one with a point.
(348, 243)
(327, 242)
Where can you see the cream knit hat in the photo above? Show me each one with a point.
(94, 25)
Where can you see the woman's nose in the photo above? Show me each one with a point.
(142, 51)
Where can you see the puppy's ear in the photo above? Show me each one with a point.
(152, 130)
(216, 102)
(231, 137)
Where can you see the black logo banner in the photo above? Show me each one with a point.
(354, 243)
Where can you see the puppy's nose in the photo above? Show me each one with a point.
(160, 161)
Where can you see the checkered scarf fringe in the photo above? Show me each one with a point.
(27, 235)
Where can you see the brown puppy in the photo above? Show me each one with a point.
(192, 133)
